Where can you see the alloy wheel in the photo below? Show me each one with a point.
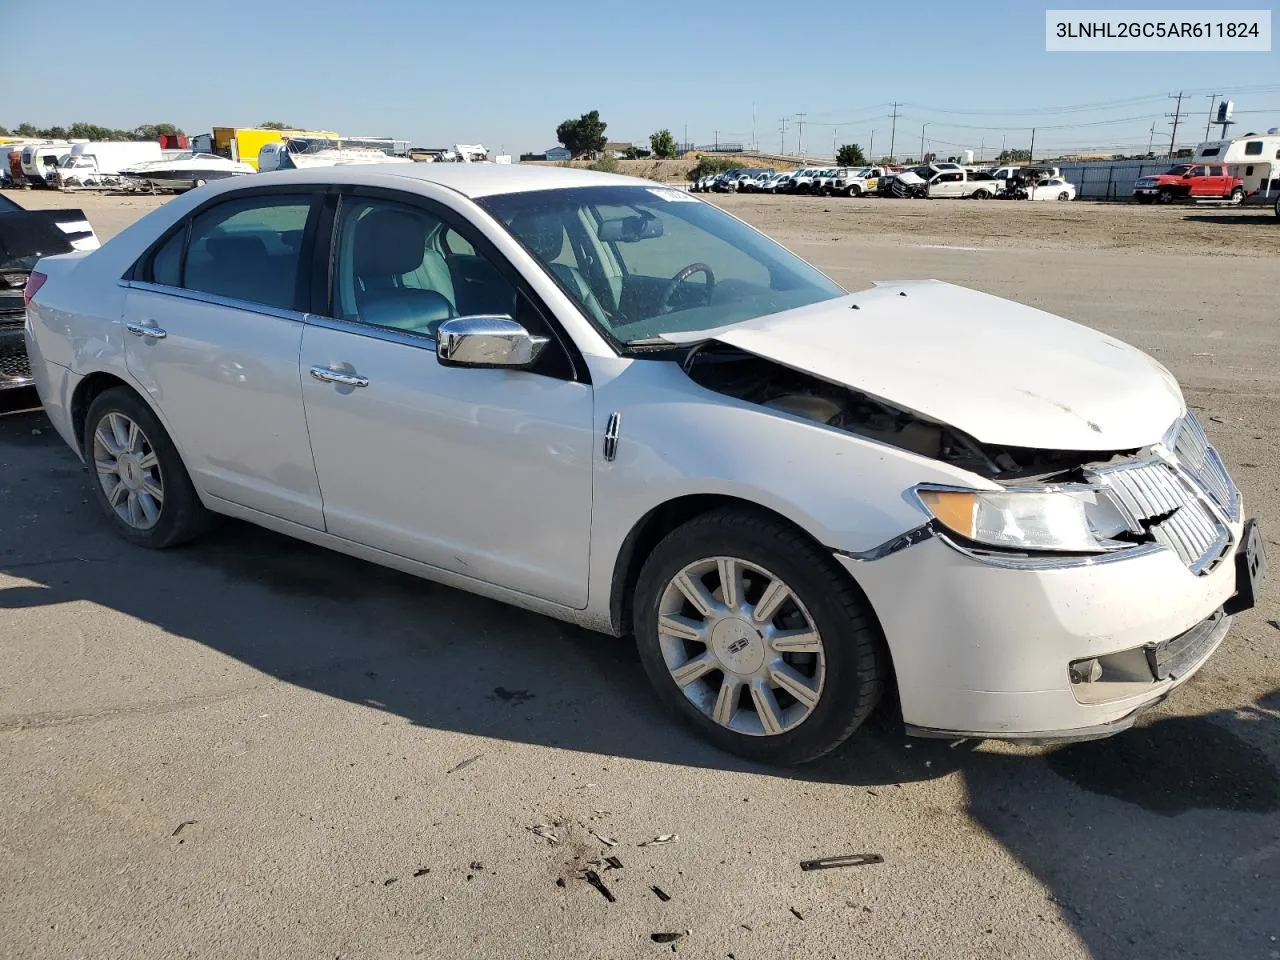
(128, 471)
(741, 646)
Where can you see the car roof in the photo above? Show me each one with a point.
(470, 179)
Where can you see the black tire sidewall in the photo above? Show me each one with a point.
(182, 516)
(856, 659)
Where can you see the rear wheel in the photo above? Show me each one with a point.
(139, 480)
(1065, 195)
(757, 638)
(981, 195)
(198, 183)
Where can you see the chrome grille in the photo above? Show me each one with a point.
(1163, 499)
(15, 370)
(1198, 458)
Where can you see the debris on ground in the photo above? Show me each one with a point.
(846, 860)
(607, 841)
(512, 696)
(669, 937)
(422, 871)
(593, 878)
(663, 838)
(182, 826)
(660, 894)
(465, 763)
(796, 913)
(559, 881)
(544, 831)
(389, 881)
(613, 862)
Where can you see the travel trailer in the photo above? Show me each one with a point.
(1253, 157)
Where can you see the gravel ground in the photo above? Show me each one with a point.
(249, 747)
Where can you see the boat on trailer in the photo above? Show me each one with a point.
(182, 172)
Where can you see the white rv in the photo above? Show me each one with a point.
(1254, 158)
(40, 160)
(88, 163)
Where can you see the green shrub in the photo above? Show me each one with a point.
(708, 166)
(606, 164)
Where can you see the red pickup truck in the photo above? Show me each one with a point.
(1190, 181)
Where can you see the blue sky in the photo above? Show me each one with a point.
(505, 73)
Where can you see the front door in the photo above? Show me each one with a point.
(213, 337)
(482, 472)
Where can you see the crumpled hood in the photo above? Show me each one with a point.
(1004, 373)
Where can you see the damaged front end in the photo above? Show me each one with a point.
(1055, 505)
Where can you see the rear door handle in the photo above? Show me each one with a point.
(328, 375)
(146, 330)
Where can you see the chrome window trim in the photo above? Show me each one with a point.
(389, 334)
(248, 306)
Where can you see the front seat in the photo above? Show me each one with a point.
(388, 245)
(544, 236)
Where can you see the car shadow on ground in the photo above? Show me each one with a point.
(1260, 218)
(1129, 836)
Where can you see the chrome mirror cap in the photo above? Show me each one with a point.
(486, 341)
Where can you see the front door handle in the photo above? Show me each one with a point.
(146, 330)
(328, 375)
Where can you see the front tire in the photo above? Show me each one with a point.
(853, 191)
(1237, 197)
(1167, 196)
(755, 636)
(138, 479)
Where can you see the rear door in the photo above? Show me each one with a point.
(215, 322)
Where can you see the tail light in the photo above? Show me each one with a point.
(34, 283)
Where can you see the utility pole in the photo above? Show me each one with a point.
(834, 151)
(782, 150)
(871, 148)
(922, 126)
(1151, 140)
(893, 131)
(1209, 119)
(1177, 115)
(1031, 154)
(982, 149)
(800, 133)
(685, 148)
(755, 144)
(716, 141)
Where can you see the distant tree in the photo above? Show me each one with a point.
(707, 166)
(152, 131)
(664, 144)
(851, 155)
(888, 161)
(27, 130)
(4, 131)
(583, 136)
(636, 153)
(275, 125)
(1014, 156)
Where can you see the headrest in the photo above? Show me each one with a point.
(389, 243)
(543, 234)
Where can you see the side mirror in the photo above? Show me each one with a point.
(486, 341)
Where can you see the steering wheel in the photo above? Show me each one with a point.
(664, 305)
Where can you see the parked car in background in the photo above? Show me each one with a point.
(773, 183)
(1052, 188)
(25, 237)
(749, 182)
(802, 180)
(1190, 181)
(1002, 175)
(943, 180)
(1013, 519)
(854, 182)
(823, 179)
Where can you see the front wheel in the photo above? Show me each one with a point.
(853, 191)
(138, 478)
(1237, 196)
(1167, 196)
(757, 638)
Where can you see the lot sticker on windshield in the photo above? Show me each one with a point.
(674, 196)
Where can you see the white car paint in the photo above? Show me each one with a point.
(1052, 189)
(980, 642)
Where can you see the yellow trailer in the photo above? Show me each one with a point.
(244, 143)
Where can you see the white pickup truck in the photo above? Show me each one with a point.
(854, 181)
(943, 180)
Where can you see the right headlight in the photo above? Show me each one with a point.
(1068, 519)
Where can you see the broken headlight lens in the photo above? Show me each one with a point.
(1067, 519)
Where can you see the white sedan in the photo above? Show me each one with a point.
(1052, 188)
(613, 403)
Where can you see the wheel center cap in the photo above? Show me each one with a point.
(130, 472)
(738, 645)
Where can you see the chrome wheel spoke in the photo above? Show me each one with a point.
(117, 494)
(674, 625)
(106, 438)
(119, 427)
(149, 461)
(695, 593)
(727, 701)
(794, 682)
(767, 708)
(134, 511)
(134, 435)
(775, 595)
(796, 641)
(128, 471)
(695, 668)
(730, 582)
(148, 505)
(153, 489)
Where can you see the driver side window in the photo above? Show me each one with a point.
(399, 266)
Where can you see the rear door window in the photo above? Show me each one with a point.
(249, 249)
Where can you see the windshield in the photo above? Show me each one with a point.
(1178, 171)
(646, 261)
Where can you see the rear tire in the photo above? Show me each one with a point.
(735, 685)
(138, 479)
(981, 195)
(1065, 195)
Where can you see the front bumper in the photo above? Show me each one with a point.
(1039, 654)
(15, 368)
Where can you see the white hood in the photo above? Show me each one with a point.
(1002, 372)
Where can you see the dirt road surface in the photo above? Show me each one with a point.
(249, 747)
